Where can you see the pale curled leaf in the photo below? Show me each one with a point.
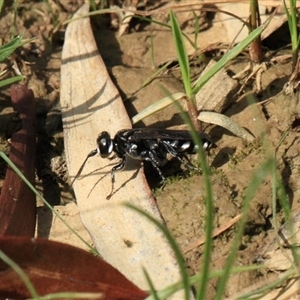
(90, 104)
(227, 123)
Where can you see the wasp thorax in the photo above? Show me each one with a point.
(105, 144)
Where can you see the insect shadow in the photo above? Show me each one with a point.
(96, 183)
(131, 165)
(133, 176)
(94, 172)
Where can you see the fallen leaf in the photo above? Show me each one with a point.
(17, 201)
(54, 267)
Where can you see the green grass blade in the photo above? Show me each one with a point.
(292, 22)
(21, 273)
(19, 173)
(195, 279)
(182, 54)
(1, 5)
(173, 244)
(197, 28)
(150, 78)
(11, 80)
(259, 293)
(7, 49)
(229, 56)
(153, 292)
(257, 179)
(288, 15)
(203, 281)
(157, 106)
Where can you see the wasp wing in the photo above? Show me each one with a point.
(139, 134)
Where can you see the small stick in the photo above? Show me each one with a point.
(216, 232)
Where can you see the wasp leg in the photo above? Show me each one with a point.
(174, 153)
(92, 153)
(118, 167)
(189, 164)
(150, 156)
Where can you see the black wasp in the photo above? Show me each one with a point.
(148, 144)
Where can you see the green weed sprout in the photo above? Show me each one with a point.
(292, 21)
(5, 51)
(192, 88)
(292, 18)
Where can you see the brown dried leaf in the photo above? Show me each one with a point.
(17, 201)
(55, 267)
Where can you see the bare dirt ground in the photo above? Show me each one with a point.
(128, 59)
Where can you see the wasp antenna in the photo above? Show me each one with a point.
(92, 153)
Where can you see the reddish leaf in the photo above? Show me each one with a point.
(55, 267)
(17, 201)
